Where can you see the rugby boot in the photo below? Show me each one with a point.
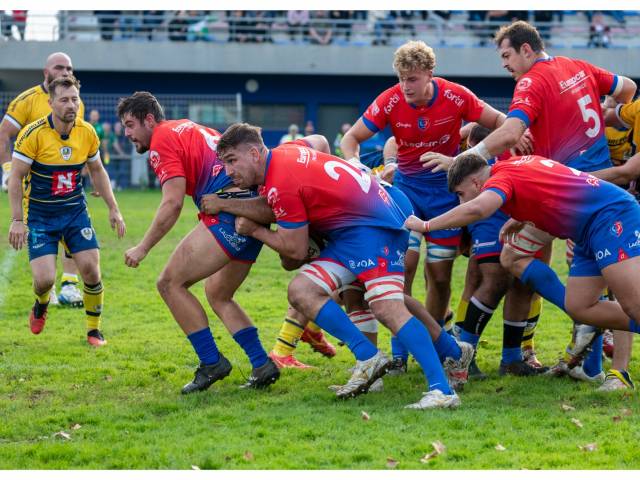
(365, 373)
(318, 342)
(287, 361)
(38, 317)
(95, 338)
(263, 376)
(520, 369)
(435, 399)
(206, 375)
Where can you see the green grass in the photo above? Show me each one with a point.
(125, 397)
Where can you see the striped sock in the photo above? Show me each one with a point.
(288, 337)
(93, 300)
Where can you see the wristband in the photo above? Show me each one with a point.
(390, 161)
(17, 220)
(427, 227)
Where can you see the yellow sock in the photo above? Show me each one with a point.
(461, 312)
(43, 298)
(288, 337)
(6, 167)
(69, 278)
(93, 299)
(313, 327)
(532, 323)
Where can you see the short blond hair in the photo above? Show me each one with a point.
(414, 55)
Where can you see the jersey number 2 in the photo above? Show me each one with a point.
(363, 179)
(589, 114)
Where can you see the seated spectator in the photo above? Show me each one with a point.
(179, 27)
(543, 16)
(262, 26)
(320, 30)
(383, 26)
(405, 20)
(151, 22)
(599, 32)
(342, 22)
(298, 22)
(293, 134)
(107, 22)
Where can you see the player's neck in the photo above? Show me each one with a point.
(428, 95)
(63, 128)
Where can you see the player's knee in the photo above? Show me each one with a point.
(391, 313)
(44, 282)
(296, 293)
(164, 283)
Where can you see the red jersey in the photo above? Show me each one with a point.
(553, 197)
(304, 186)
(559, 100)
(418, 129)
(182, 148)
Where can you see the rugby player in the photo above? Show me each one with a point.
(26, 108)
(425, 114)
(183, 156)
(366, 241)
(48, 156)
(598, 216)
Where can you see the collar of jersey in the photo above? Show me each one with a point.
(266, 167)
(549, 57)
(50, 120)
(433, 99)
(44, 88)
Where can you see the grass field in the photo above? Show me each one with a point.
(120, 406)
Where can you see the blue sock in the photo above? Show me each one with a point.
(634, 326)
(415, 337)
(398, 350)
(593, 362)
(544, 281)
(511, 355)
(332, 319)
(469, 337)
(446, 346)
(204, 345)
(248, 339)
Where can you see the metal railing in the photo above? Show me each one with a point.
(274, 27)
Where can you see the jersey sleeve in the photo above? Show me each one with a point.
(94, 150)
(18, 112)
(375, 118)
(527, 100)
(165, 157)
(607, 82)
(474, 106)
(26, 146)
(501, 184)
(628, 113)
(288, 207)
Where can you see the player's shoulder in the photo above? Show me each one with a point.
(31, 131)
(631, 111)
(29, 94)
(84, 126)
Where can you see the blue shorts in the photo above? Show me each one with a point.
(430, 199)
(368, 252)
(485, 236)
(237, 247)
(73, 228)
(612, 237)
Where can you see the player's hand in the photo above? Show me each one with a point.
(117, 222)
(510, 229)
(524, 146)
(95, 193)
(244, 226)
(388, 172)
(436, 161)
(17, 235)
(134, 256)
(211, 204)
(414, 223)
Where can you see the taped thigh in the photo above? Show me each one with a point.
(440, 253)
(388, 287)
(364, 320)
(528, 241)
(328, 274)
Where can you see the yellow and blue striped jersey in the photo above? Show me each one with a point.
(619, 141)
(53, 183)
(31, 105)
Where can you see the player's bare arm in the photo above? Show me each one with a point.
(623, 174)
(350, 143)
(100, 179)
(625, 90)
(288, 242)
(255, 209)
(483, 206)
(7, 132)
(17, 229)
(173, 191)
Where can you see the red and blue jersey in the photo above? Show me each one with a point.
(182, 148)
(434, 127)
(304, 186)
(555, 198)
(559, 100)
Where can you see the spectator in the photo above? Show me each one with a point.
(383, 26)
(5, 21)
(129, 24)
(336, 143)
(262, 27)
(106, 150)
(321, 29)
(292, 135)
(544, 17)
(298, 22)
(107, 22)
(405, 19)
(239, 27)
(309, 128)
(151, 22)
(599, 32)
(120, 142)
(20, 21)
(94, 119)
(342, 22)
(178, 27)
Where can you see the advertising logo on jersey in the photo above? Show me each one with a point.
(635, 244)
(423, 123)
(391, 103)
(272, 196)
(403, 125)
(573, 81)
(375, 109)
(616, 229)
(593, 181)
(524, 84)
(216, 170)
(457, 99)
(154, 159)
(65, 152)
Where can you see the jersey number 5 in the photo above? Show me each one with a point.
(363, 179)
(589, 114)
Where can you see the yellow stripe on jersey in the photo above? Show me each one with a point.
(619, 141)
(31, 105)
(629, 114)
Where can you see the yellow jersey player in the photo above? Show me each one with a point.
(48, 157)
(26, 108)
